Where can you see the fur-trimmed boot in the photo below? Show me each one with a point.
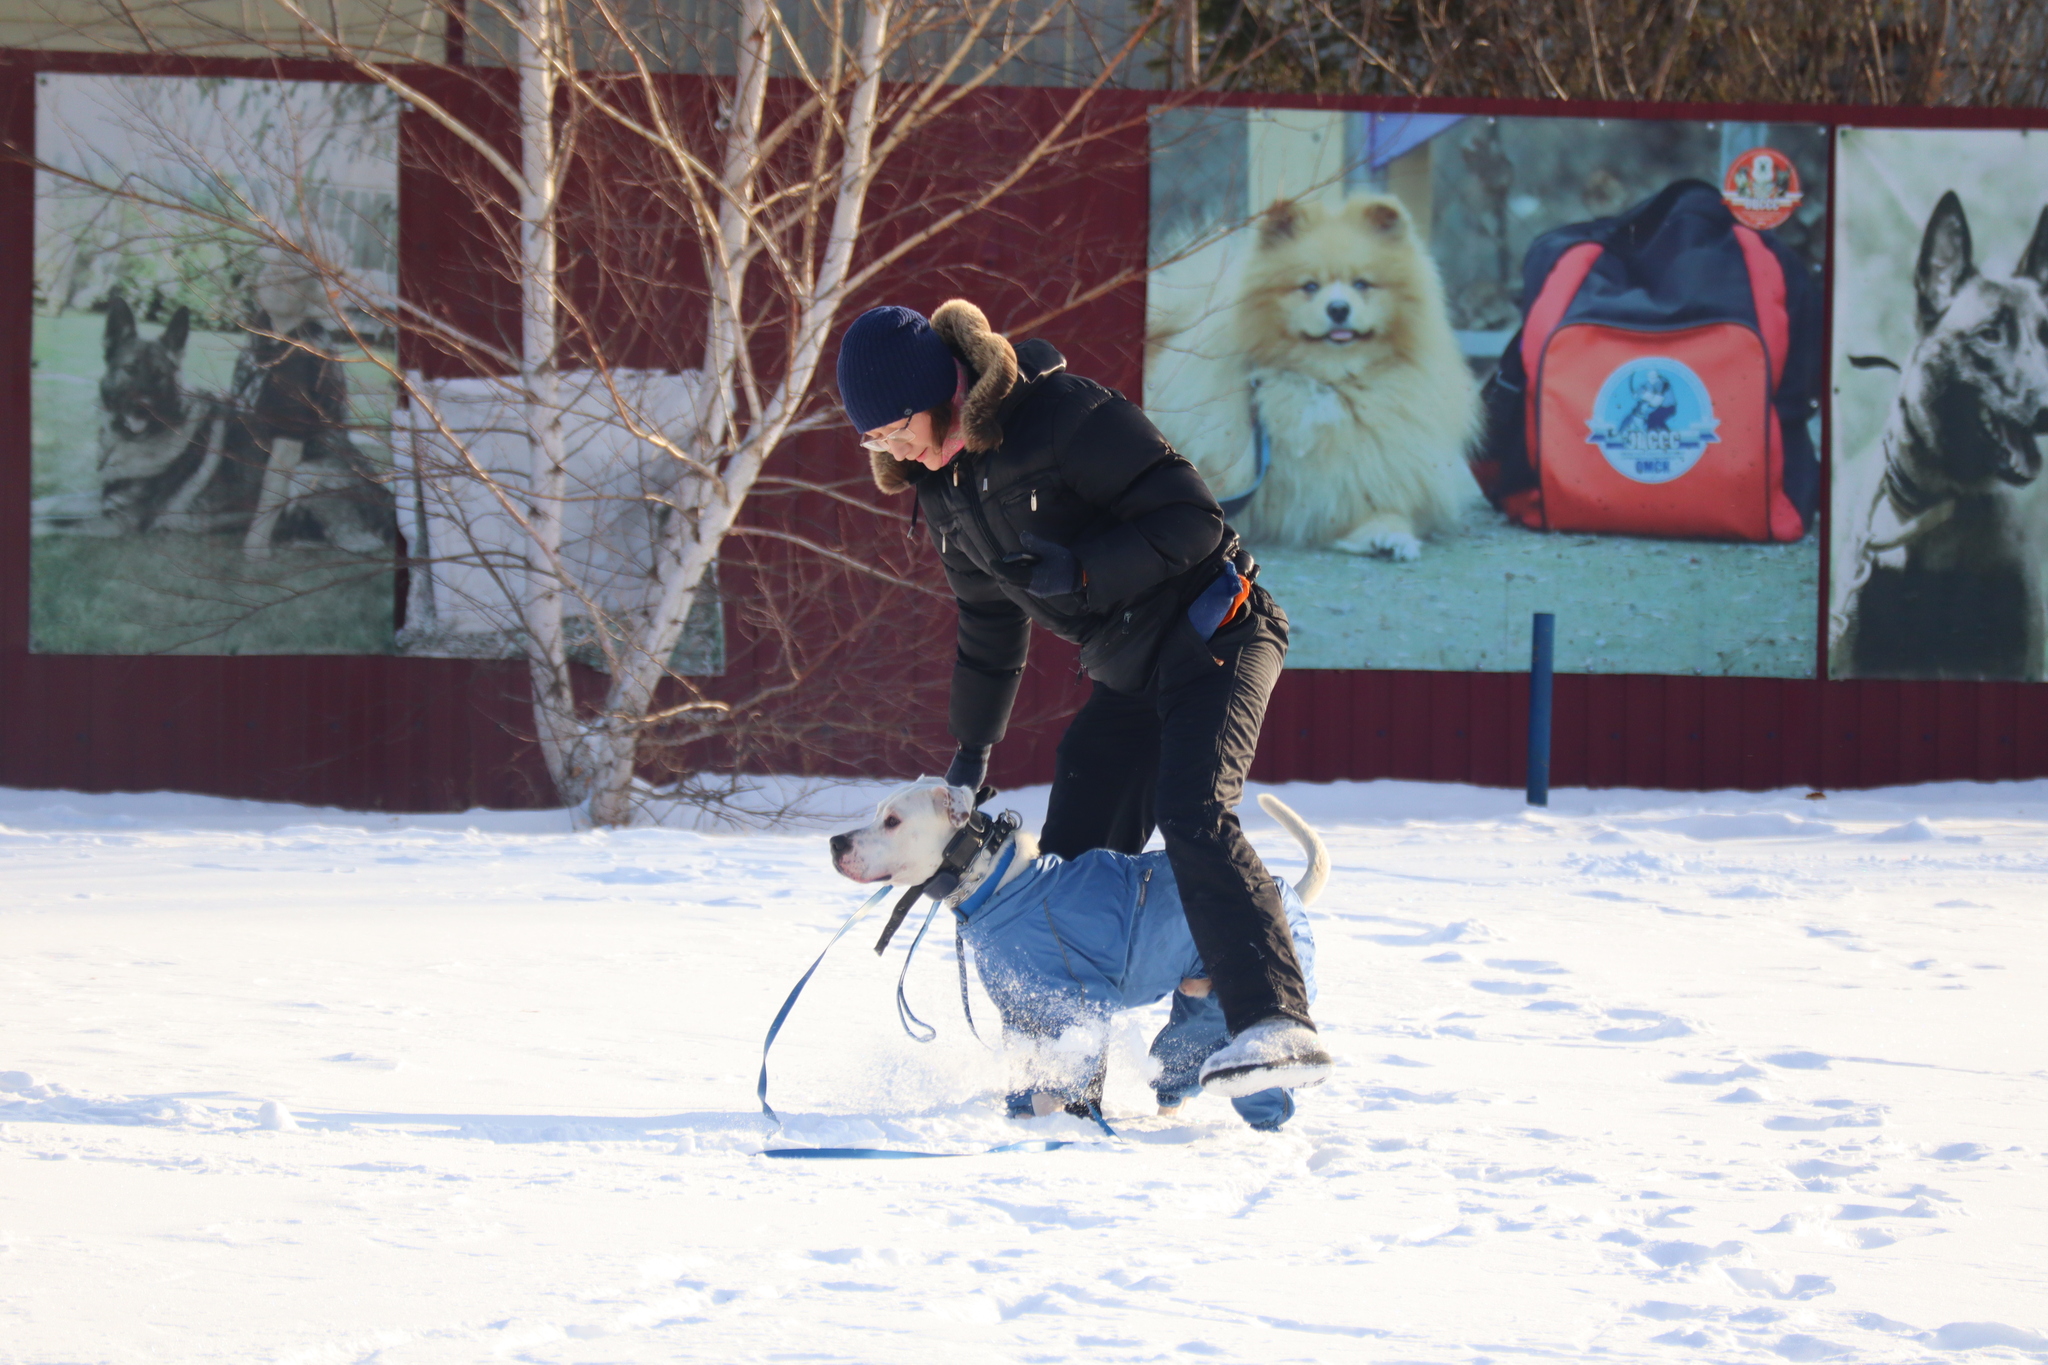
(1273, 1052)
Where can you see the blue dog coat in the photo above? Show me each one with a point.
(1071, 942)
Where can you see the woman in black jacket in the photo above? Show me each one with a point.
(1053, 500)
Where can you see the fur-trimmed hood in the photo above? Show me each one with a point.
(992, 375)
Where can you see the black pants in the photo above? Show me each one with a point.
(1174, 757)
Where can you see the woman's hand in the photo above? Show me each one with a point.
(969, 768)
(1047, 569)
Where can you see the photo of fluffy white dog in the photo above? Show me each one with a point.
(1366, 404)
(1324, 339)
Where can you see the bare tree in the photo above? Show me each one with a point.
(591, 478)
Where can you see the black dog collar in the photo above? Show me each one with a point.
(970, 841)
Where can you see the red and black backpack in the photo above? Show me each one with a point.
(1668, 361)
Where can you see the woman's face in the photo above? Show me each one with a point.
(910, 440)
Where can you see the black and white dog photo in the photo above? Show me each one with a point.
(1937, 545)
(271, 460)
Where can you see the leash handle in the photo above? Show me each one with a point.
(781, 1015)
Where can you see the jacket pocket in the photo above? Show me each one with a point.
(1184, 656)
(1121, 652)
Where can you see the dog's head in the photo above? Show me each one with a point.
(1978, 380)
(906, 840)
(299, 387)
(139, 388)
(1336, 282)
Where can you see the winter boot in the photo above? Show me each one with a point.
(1273, 1052)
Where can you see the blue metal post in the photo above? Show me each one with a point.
(1542, 636)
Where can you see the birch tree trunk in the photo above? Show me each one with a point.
(539, 35)
(699, 523)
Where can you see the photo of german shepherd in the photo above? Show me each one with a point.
(270, 461)
(1937, 546)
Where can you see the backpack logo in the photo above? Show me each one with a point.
(1653, 419)
(1761, 188)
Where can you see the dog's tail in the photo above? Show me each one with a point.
(1311, 884)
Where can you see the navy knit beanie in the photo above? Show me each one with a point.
(891, 365)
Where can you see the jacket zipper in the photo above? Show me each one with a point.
(1144, 885)
(988, 535)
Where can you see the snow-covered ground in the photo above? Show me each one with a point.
(1641, 1077)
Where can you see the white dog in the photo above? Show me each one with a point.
(1060, 945)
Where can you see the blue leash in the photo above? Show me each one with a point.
(761, 1089)
(897, 1154)
(907, 1018)
(1262, 446)
(961, 913)
(918, 1029)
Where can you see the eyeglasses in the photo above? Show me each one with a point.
(881, 444)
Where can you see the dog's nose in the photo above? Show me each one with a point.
(840, 844)
(1337, 309)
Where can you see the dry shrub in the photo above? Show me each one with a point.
(1901, 52)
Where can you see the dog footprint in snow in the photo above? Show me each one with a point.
(1769, 1284)
(1643, 1026)
(1741, 1071)
(1511, 987)
(1841, 938)
(1462, 931)
(1824, 1177)
(1527, 967)
(1840, 1114)
(1675, 1255)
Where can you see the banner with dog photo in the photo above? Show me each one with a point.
(1344, 317)
(1939, 520)
(211, 391)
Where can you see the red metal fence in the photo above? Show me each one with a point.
(426, 734)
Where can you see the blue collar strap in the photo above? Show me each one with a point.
(965, 910)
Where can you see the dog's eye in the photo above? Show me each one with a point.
(1311, 287)
(892, 822)
(1993, 330)
(1361, 285)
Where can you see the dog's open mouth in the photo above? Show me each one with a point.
(2021, 450)
(1343, 335)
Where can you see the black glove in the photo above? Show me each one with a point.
(969, 768)
(1045, 569)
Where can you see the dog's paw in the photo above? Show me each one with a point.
(1399, 546)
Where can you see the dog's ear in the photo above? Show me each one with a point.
(2034, 260)
(1945, 261)
(180, 328)
(120, 323)
(1281, 223)
(1379, 215)
(946, 801)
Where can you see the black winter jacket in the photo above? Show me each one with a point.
(1063, 458)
